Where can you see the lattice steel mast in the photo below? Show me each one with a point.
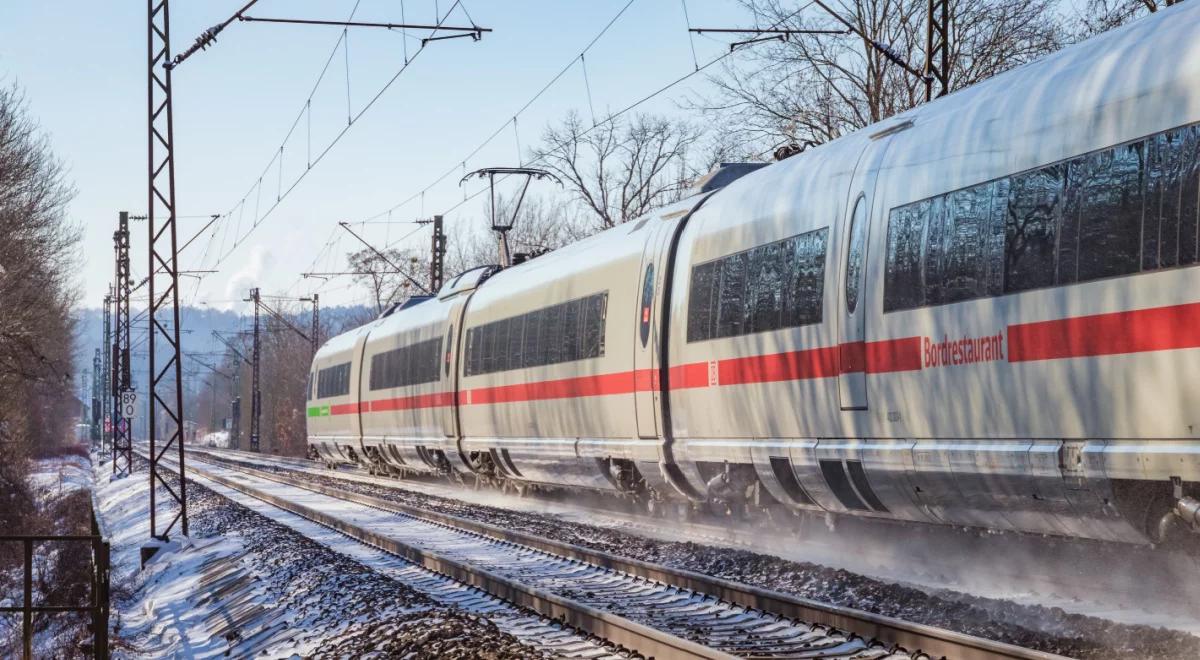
(122, 428)
(106, 394)
(255, 394)
(166, 379)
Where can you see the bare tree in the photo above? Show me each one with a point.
(380, 276)
(1103, 15)
(812, 88)
(618, 169)
(37, 299)
(544, 223)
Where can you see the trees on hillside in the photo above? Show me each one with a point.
(38, 254)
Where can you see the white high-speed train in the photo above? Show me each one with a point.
(984, 311)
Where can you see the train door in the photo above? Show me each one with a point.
(645, 345)
(451, 349)
(852, 310)
(852, 378)
(358, 388)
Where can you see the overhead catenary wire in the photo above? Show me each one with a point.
(500, 129)
(691, 40)
(284, 192)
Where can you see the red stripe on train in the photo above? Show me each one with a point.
(604, 384)
(793, 365)
(1137, 331)
(436, 400)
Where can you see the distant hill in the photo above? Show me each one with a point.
(197, 323)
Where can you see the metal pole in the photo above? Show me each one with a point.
(166, 380)
(316, 324)
(122, 430)
(937, 48)
(98, 381)
(27, 606)
(255, 396)
(106, 392)
(437, 261)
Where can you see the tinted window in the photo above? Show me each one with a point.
(407, 365)
(769, 287)
(333, 381)
(701, 306)
(1110, 220)
(1031, 230)
(647, 300)
(1127, 209)
(559, 333)
(906, 232)
(854, 257)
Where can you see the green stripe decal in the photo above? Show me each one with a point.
(318, 411)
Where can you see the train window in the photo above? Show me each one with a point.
(559, 333)
(516, 340)
(570, 348)
(1189, 196)
(769, 287)
(408, 365)
(764, 307)
(533, 324)
(1110, 220)
(594, 310)
(552, 320)
(333, 381)
(805, 283)
(645, 307)
(1032, 221)
(906, 228)
(1162, 230)
(700, 300)
(472, 361)
(854, 256)
(731, 296)
(1118, 211)
(936, 233)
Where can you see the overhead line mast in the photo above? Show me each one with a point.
(166, 383)
(122, 428)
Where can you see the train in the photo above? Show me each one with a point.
(982, 312)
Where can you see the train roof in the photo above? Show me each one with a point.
(1081, 98)
(581, 256)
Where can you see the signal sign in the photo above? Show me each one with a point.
(129, 404)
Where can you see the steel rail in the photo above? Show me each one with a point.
(617, 630)
(936, 642)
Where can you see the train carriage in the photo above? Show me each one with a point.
(559, 362)
(334, 431)
(980, 312)
(406, 391)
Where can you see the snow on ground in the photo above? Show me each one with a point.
(244, 586)
(154, 606)
(216, 439)
(52, 478)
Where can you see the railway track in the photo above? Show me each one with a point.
(532, 629)
(653, 609)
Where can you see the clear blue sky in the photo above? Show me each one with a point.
(82, 66)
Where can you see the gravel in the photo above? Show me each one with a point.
(348, 609)
(1048, 629)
